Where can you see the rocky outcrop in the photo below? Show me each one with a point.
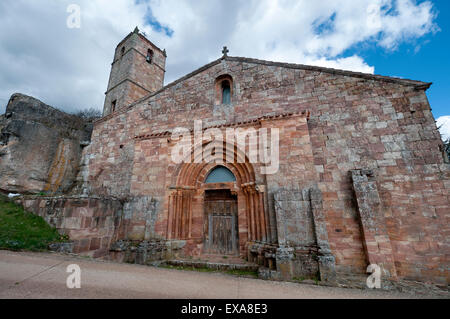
(40, 147)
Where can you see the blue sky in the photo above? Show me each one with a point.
(430, 63)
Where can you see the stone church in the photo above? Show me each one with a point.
(360, 179)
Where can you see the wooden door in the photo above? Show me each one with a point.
(222, 236)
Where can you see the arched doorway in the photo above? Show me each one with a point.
(221, 234)
(193, 197)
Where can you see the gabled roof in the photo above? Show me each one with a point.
(368, 76)
(419, 85)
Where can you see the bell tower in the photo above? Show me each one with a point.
(137, 70)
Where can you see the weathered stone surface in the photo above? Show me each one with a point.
(145, 252)
(326, 260)
(302, 234)
(39, 147)
(376, 240)
(61, 247)
(294, 219)
(92, 224)
(141, 209)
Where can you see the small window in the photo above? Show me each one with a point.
(226, 92)
(149, 57)
(220, 174)
(224, 89)
(122, 51)
(113, 106)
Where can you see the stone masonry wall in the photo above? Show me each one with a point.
(356, 122)
(92, 224)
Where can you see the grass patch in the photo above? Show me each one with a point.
(243, 273)
(299, 279)
(199, 269)
(302, 279)
(21, 230)
(234, 272)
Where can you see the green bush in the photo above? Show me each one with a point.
(21, 230)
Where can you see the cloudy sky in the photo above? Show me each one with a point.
(69, 68)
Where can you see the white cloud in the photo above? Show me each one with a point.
(443, 123)
(69, 68)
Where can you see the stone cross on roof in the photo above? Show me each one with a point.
(225, 51)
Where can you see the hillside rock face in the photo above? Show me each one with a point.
(40, 147)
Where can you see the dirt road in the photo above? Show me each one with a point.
(43, 275)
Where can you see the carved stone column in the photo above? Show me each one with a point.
(264, 221)
(179, 224)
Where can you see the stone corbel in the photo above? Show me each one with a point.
(260, 188)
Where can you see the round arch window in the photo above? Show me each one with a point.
(220, 174)
(224, 89)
